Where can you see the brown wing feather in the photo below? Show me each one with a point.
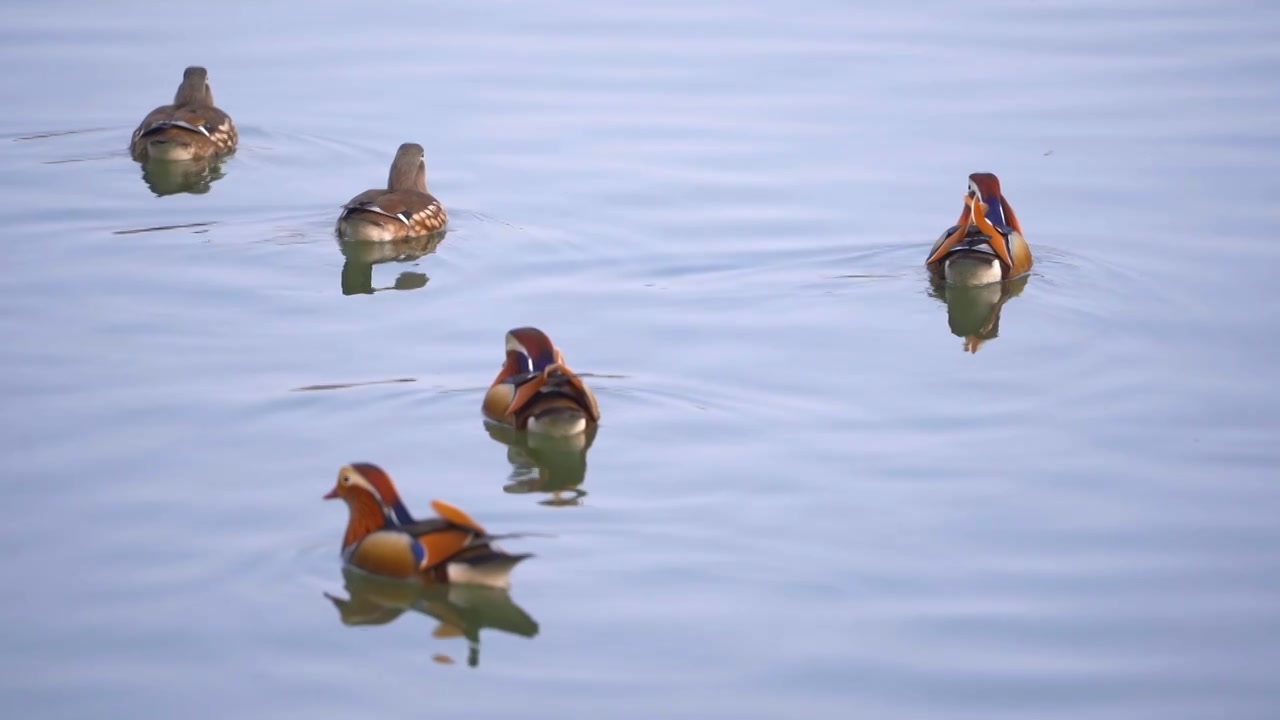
(423, 211)
(368, 196)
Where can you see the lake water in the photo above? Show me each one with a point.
(807, 497)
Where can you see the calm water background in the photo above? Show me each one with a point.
(805, 499)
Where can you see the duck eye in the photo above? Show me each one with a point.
(346, 479)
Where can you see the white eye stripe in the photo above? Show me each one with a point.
(362, 483)
(514, 344)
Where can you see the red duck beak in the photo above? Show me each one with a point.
(332, 494)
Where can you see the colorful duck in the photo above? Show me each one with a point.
(192, 128)
(986, 244)
(383, 538)
(536, 391)
(402, 209)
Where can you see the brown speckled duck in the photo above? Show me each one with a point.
(192, 128)
(403, 209)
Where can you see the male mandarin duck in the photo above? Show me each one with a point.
(986, 244)
(192, 128)
(383, 538)
(536, 391)
(403, 209)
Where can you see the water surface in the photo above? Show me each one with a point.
(808, 496)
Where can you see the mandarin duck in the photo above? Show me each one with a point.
(383, 538)
(536, 391)
(402, 209)
(986, 244)
(192, 128)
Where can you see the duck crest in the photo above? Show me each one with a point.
(531, 348)
(986, 187)
(381, 483)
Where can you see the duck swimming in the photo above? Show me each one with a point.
(383, 538)
(192, 128)
(986, 243)
(402, 209)
(536, 391)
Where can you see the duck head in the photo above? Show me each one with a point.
(535, 390)
(371, 499)
(986, 243)
(408, 169)
(194, 89)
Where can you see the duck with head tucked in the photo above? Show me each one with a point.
(383, 538)
(403, 209)
(192, 128)
(986, 244)
(536, 391)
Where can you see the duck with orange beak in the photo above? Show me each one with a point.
(986, 243)
(383, 538)
(536, 391)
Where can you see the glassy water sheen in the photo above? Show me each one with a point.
(807, 497)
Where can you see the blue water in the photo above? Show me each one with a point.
(806, 496)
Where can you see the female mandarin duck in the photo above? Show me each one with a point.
(382, 538)
(536, 391)
(986, 244)
(403, 209)
(192, 128)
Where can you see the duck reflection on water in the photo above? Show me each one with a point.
(172, 177)
(461, 611)
(973, 312)
(357, 270)
(546, 464)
